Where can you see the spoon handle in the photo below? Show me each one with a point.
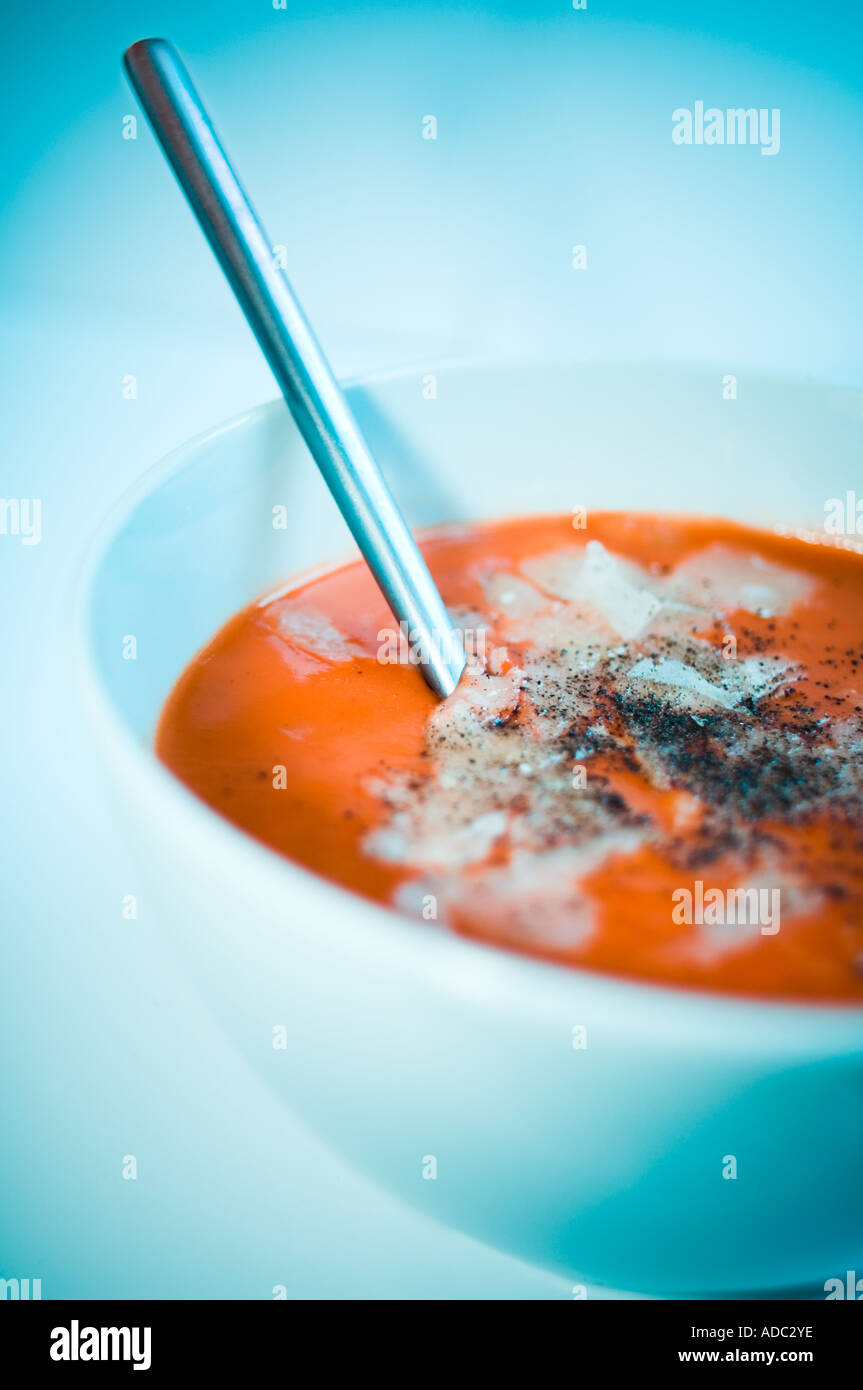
(314, 397)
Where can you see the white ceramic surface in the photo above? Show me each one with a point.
(406, 1041)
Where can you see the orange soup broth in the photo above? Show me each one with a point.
(252, 703)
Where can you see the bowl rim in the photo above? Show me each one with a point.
(451, 959)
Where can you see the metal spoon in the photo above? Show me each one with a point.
(314, 398)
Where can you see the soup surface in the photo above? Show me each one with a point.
(652, 766)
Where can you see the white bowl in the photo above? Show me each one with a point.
(404, 1041)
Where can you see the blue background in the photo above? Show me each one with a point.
(553, 130)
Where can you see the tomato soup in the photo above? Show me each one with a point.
(653, 765)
